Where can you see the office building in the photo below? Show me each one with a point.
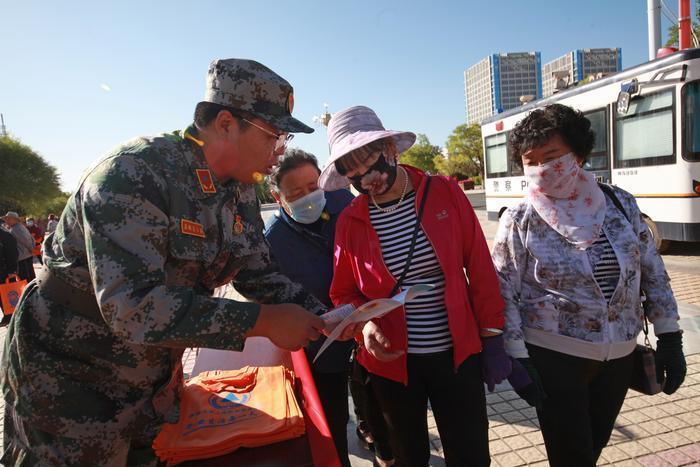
(577, 65)
(496, 83)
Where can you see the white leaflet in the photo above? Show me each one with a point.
(370, 310)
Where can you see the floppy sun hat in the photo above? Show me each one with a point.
(350, 129)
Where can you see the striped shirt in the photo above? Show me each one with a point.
(426, 316)
(606, 269)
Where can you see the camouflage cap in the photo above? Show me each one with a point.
(251, 86)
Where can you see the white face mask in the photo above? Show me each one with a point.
(308, 208)
(556, 178)
(30, 223)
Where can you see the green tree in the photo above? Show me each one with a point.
(27, 182)
(422, 155)
(262, 189)
(53, 206)
(466, 154)
(673, 29)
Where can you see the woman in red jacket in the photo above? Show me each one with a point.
(438, 347)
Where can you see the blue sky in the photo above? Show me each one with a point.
(405, 59)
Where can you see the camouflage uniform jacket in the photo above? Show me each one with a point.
(151, 239)
(549, 287)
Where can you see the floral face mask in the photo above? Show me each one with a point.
(378, 178)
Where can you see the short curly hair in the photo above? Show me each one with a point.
(554, 119)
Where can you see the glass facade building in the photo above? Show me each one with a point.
(578, 65)
(496, 83)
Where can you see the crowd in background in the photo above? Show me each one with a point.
(21, 241)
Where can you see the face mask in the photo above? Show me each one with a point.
(378, 178)
(30, 223)
(556, 178)
(308, 208)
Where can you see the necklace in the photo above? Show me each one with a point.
(403, 194)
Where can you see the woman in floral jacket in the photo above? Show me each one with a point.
(571, 267)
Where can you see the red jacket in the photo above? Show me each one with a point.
(453, 229)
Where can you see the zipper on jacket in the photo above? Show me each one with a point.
(606, 324)
(608, 330)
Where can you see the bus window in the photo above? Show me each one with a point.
(692, 121)
(496, 156)
(515, 164)
(598, 159)
(644, 136)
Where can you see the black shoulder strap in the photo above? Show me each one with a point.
(607, 189)
(413, 240)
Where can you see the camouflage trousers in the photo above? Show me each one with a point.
(24, 445)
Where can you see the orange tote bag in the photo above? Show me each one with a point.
(10, 293)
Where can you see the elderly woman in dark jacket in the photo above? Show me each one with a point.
(301, 236)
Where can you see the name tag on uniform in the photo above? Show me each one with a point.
(191, 228)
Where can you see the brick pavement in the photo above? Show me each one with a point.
(686, 287)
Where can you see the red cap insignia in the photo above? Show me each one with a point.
(290, 102)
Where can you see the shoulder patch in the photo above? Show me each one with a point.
(205, 180)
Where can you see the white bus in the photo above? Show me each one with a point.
(647, 125)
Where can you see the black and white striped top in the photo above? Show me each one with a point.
(426, 316)
(606, 269)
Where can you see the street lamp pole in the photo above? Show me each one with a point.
(324, 119)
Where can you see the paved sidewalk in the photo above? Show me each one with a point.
(686, 287)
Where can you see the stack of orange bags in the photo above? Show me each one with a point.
(222, 411)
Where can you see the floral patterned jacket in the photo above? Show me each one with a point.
(548, 283)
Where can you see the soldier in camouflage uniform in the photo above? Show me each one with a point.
(92, 359)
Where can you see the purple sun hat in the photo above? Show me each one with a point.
(351, 129)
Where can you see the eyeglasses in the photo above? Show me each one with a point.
(283, 139)
(357, 161)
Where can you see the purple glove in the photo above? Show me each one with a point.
(519, 378)
(526, 382)
(496, 364)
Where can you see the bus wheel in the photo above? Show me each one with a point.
(661, 244)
